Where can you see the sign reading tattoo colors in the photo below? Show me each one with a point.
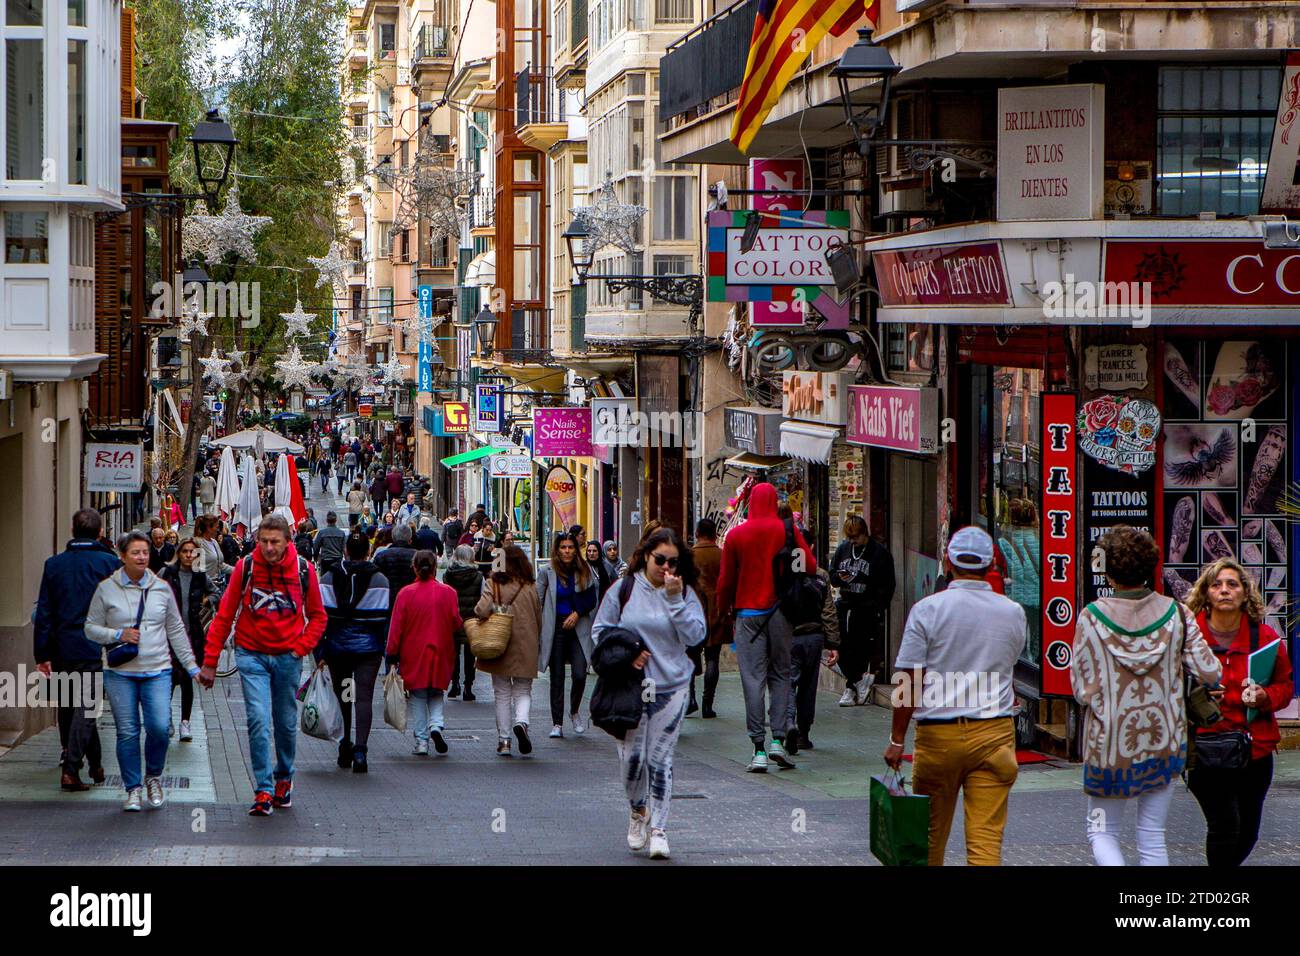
(1120, 433)
(1059, 535)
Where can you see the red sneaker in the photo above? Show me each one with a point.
(262, 806)
(283, 794)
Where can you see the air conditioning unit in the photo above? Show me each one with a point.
(1128, 188)
(905, 122)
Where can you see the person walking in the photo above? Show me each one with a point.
(658, 602)
(426, 539)
(329, 544)
(207, 493)
(211, 559)
(273, 606)
(747, 588)
(355, 594)
(567, 594)
(160, 552)
(393, 484)
(1230, 611)
(485, 545)
(340, 475)
(452, 529)
(366, 521)
(809, 642)
(863, 571)
(350, 464)
(409, 513)
(422, 644)
(1132, 651)
(615, 565)
(134, 608)
(379, 491)
(707, 557)
(596, 562)
(324, 475)
(469, 534)
(395, 561)
(513, 672)
(356, 501)
(191, 588)
(63, 651)
(965, 736)
(464, 577)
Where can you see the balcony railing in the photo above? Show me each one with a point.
(432, 42)
(482, 213)
(361, 133)
(530, 337)
(357, 267)
(578, 26)
(707, 62)
(533, 99)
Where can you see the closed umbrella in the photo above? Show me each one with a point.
(296, 503)
(249, 509)
(259, 443)
(227, 484)
(283, 491)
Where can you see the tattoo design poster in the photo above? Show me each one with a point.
(1112, 498)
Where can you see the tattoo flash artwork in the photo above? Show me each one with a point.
(1180, 533)
(1261, 497)
(1180, 375)
(1177, 585)
(1204, 463)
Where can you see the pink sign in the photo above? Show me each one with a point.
(562, 432)
(895, 417)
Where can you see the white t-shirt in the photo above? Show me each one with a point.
(967, 638)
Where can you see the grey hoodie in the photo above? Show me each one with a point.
(666, 625)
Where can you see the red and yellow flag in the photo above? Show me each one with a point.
(785, 33)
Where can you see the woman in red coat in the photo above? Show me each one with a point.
(421, 643)
(1228, 608)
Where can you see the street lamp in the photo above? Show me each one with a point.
(580, 253)
(865, 61)
(485, 325)
(214, 141)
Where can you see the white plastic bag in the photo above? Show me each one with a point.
(321, 716)
(394, 700)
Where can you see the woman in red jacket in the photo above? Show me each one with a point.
(421, 643)
(1228, 608)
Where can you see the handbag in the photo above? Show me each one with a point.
(1229, 750)
(900, 822)
(489, 639)
(394, 700)
(123, 652)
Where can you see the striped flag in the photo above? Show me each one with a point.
(785, 32)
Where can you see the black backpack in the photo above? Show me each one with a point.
(799, 594)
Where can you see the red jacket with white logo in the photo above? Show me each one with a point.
(270, 615)
(745, 578)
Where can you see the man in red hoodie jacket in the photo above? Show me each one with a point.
(746, 587)
(276, 625)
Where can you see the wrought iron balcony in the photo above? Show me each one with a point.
(707, 62)
(534, 99)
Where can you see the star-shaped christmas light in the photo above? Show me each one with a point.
(298, 322)
(294, 371)
(393, 371)
(216, 368)
(610, 222)
(192, 320)
(232, 232)
(332, 267)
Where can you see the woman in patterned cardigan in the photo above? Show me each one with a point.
(1131, 651)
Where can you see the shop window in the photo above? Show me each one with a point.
(674, 11)
(1214, 128)
(909, 348)
(671, 265)
(673, 208)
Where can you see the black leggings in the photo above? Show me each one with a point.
(1233, 804)
(706, 660)
(363, 669)
(566, 649)
(862, 645)
(182, 680)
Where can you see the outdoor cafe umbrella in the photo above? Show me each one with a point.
(270, 441)
(249, 509)
(227, 484)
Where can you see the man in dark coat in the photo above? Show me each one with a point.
(394, 562)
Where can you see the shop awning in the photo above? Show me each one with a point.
(756, 462)
(482, 269)
(467, 456)
(808, 442)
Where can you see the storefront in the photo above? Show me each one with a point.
(815, 410)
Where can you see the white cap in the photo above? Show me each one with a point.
(970, 549)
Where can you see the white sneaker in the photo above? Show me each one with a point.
(153, 787)
(758, 762)
(557, 731)
(848, 698)
(579, 725)
(778, 755)
(864, 688)
(421, 748)
(185, 730)
(637, 829)
(134, 802)
(658, 845)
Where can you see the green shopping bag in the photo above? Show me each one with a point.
(900, 822)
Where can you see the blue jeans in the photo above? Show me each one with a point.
(424, 712)
(270, 683)
(129, 696)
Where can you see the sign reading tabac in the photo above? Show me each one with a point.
(456, 418)
(1050, 146)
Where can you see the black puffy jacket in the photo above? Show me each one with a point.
(616, 701)
(394, 563)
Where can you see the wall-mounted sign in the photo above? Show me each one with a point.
(611, 422)
(1114, 368)
(563, 432)
(455, 418)
(511, 466)
(364, 409)
(1050, 141)
(754, 429)
(820, 397)
(1110, 498)
(1187, 272)
(487, 408)
(114, 467)
(895, 417)
(563, 492)
(1281, 184)
(967, 274)
(1058, 541)
(1120, 433)
(426, 366)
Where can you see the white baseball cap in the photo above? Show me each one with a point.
(970, 549)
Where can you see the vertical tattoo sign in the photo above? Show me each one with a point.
(1058, 538)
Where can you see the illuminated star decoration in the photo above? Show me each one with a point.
(610, 222)
(433, 189)
(294, 371)
(232, 232)
(298, 321)
(192, 320)
(417, 325)
(332, 267)
(216, 368)
(326, 369)
(393, 371)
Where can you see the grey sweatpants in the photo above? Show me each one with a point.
(763, 652)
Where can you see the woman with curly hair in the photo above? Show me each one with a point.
(1230, 612)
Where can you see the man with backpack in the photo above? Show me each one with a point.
(765, 578)
(273, 605)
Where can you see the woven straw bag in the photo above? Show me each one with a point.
(489, 639)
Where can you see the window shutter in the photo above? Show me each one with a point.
(127, 60)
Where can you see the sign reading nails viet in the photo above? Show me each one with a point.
(1058, 575)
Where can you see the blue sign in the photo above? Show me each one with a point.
(487, 408)
(426, 365)
(425, 293)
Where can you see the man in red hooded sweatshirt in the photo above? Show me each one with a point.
(746, 586)
(273, 603)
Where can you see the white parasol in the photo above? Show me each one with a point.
(227, 484)
(270, 441)
(283, 490)
(249, 509)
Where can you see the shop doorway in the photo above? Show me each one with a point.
(913, 537)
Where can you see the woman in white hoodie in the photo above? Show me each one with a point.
(135, 607)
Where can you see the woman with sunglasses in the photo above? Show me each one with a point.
(567, 591)
(658, 602)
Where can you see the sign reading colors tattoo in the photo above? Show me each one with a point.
(1120, 433)
(1058, 536)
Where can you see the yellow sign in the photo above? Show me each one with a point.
(455, 418)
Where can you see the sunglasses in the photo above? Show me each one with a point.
(661, 560)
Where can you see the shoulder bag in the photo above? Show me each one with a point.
(1226, 750)
(123, 652)
(489, 639)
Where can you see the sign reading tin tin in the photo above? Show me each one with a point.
(895, 417)
(563, 432)
(1120, 433)
(1050, 152)
(963, 274)
(1058, 575)
(487, 408)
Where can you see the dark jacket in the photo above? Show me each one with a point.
(160, 556)
(426, 539)
(395, 563)
(303, 542)
(864, 575)
(468, 584)
(393, 482)
(355, 595)
(200, 588)
(452, 531)
(379, 489)
(616, 701)
(602, 578)
(328, 546)
(67, 585)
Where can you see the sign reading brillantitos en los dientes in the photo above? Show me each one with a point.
(1050, 150)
